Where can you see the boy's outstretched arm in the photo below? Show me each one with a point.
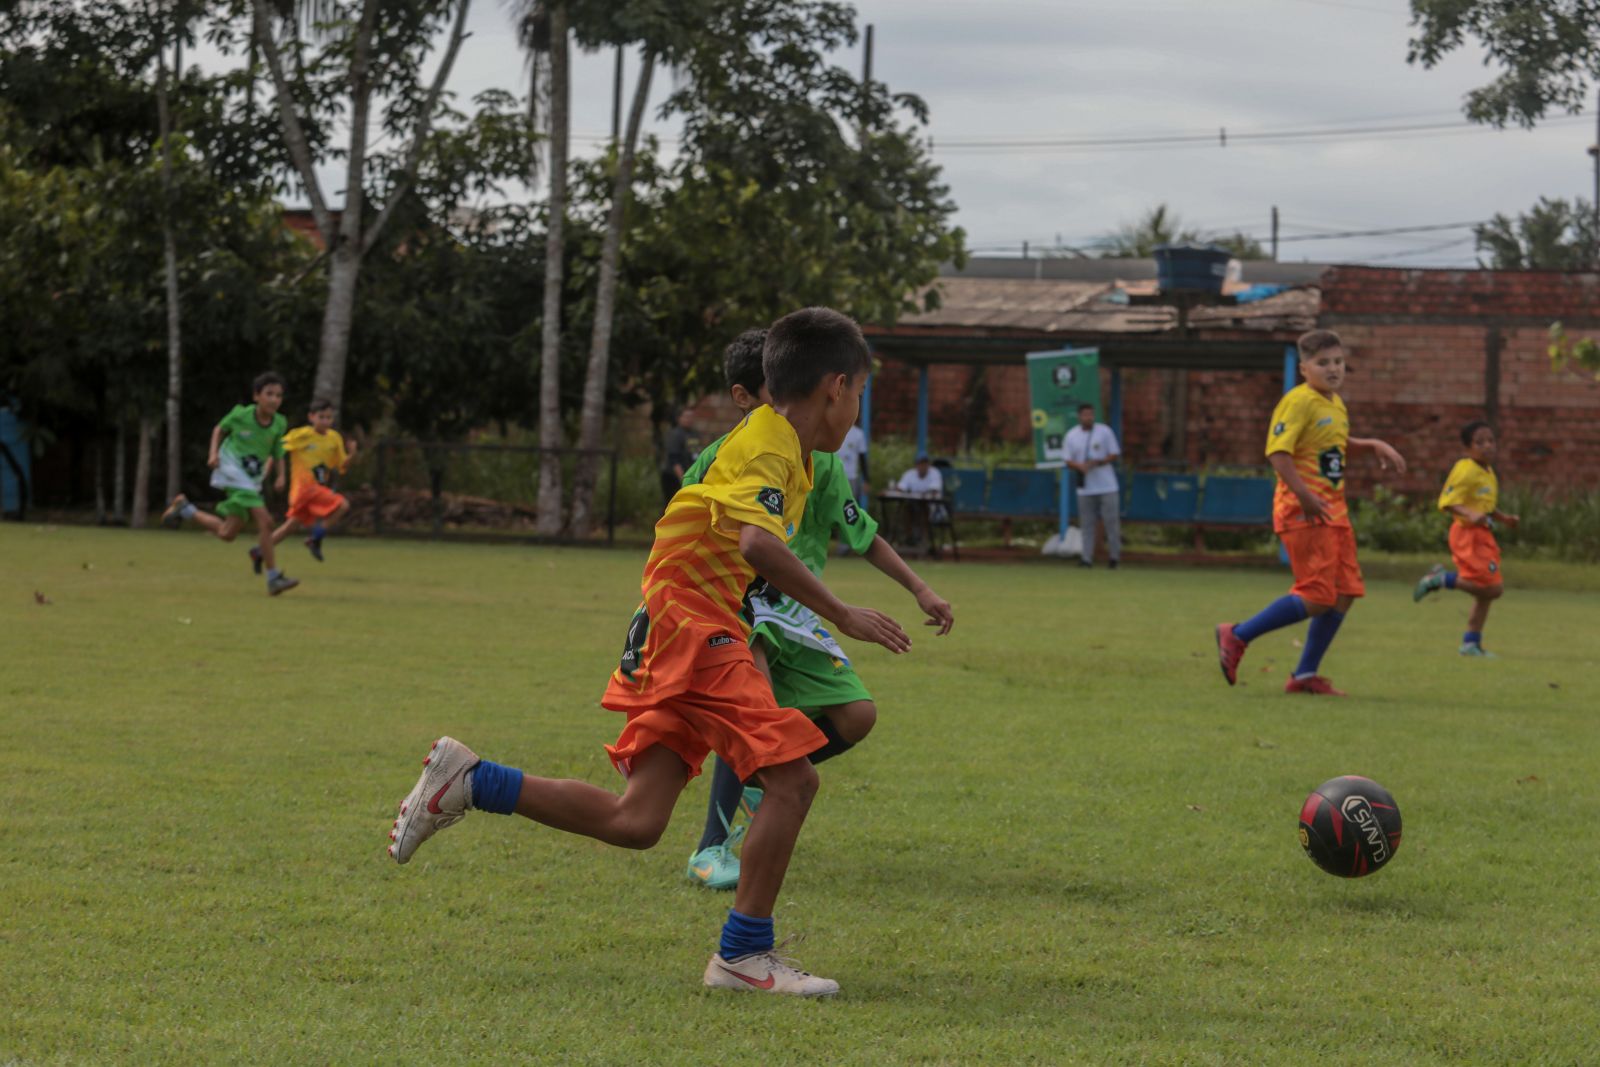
(772, 559)
(1387, 456)
(881, 554)
(215, 457)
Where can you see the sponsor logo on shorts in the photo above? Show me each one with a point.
(718, 641)
(1358, 811)
(771, 499)
(1493, 567)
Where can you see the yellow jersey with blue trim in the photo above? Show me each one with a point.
(1470, 485)
(1315, 431)
(760, 478)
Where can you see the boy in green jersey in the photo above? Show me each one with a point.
(245, 447)
(807, 667)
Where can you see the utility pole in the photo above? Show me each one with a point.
(866, 85)
(1594, 151)
(616, 99)
(1274, 233)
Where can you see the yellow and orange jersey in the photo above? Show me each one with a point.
(760, 478)
(1315, 431)
(317, 457)
(1470, 485)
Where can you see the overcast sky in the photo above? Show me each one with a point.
(999, 70)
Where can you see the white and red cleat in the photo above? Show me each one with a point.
(440, 798)
(766, 972)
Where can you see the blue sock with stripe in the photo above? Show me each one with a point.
(1473, 637)
(743, 934)
(1285, 611)
(1450, 579)
(1318, 637)
(495, 788)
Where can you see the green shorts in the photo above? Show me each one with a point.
(240, 502)
(805, 677)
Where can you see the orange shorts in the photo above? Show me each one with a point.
(1323, 559)
(688, 682)
(1476, 554)
(313, 503)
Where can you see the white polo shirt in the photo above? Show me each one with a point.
(912, 482)
(850, 453)
(1099, 443)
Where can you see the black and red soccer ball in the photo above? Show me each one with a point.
(1350, 826)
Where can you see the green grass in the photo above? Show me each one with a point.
(1067, 841)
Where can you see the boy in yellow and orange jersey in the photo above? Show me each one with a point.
(687, 680)
(315, 452)
(1472, 496)
(1306, 446)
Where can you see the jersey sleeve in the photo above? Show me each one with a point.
(756, 495)
(1458, 487)
(1288, 423)
(341, 454)
(833, 501)
(296, 439)
(702, 463)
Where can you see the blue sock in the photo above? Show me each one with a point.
(1318, 637)
(1449, 579)
(1473, 637)
(725, 791)
(1285, 611)
(495, 788)
(742, 935)
(318, 531)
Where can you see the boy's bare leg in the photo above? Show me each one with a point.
(635, 819)
(263, 519)
(854, 720)
(226, 529)
(789, 789)
(289, 526)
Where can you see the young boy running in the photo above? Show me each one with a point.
(1307, 445)
(313, 504)
(687, 682)
(245, 447)
(1472, 495)
(808, 669)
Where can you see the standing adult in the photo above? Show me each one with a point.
(1091, 449)
(680, 453)
(853, 457)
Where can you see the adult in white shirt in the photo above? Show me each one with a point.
(853, 458)
(924, 481)
(1091, 449)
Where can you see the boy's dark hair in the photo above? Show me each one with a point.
(1086, 407)
(265, 379)
(806, 346)
(741, 361)
(1471, 429)
(1313, 341)
(321, 403)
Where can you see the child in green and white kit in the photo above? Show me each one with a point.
(245, 447)
(807, 667)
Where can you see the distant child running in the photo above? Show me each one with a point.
(687, 681)
(1472, 495)
(315, 453)
(808, 669)
(245, 447)
(1307, 446)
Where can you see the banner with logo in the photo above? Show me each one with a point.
(1057, 383)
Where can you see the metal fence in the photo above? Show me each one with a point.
(471, 491)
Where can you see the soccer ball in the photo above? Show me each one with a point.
(1350, 826)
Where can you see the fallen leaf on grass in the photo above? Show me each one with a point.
(185, 619)
(1554, 686)
(1196, 807)
(40, 598)
(1530, 778)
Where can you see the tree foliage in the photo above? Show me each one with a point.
(1555, 234)
(1161, 226)
(1547, 52)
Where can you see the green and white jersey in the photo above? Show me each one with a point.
(246, 447)
(831, 509)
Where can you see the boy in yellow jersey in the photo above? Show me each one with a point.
(687, 681)
(1307, 446)
(315, 452)
(1472, 496)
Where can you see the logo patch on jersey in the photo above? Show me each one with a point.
(252, 465)
(322, 474)
(771, 499)
(633, 645)
(1326, 420)
(718, 641)
(852, 514)
(1331, 464)
(1277, 430)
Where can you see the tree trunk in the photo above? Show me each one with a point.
(119, 475)
(99, 483)
(169, 243)
(551, 435)
(338, 318)
(594, 383)
(139, 512)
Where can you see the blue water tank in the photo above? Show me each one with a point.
(1197, 268)
(11, 499)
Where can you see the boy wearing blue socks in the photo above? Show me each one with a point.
(1307, 445)
(687, 681)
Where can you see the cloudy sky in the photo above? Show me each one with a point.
(997, 72)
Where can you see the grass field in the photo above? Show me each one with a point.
(1068, 840)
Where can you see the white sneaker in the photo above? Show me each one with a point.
(440, 798)
(766, 972)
